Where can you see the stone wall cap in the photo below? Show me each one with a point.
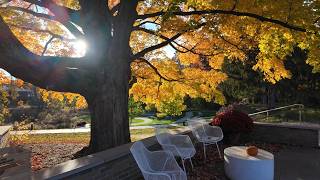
(291, 125)
(4, 129)
(67, 168)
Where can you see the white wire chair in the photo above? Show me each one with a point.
(179, 145)
(206, 134)
(156, 165)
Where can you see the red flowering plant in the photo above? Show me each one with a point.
(233, 122)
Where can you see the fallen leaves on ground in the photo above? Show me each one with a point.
(48, 155)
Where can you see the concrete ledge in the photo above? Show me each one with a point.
(4, 135)
(68, 168)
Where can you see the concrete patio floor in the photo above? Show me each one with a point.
(297, 164)
(291, 163)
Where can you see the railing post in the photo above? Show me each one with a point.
(267, 115)
(300, 114)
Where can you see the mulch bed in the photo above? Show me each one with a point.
(48, 155)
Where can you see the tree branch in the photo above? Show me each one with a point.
(173, 43)
(60, 12)
(42, 31)
(234, 45)
(115, 8)
(146, 22)
(316, 20)
(46, 46)
(158, 46)
(74, 30)
(52, 73)
(155, 69)
(226, 12)
(234, 5)
(164, 43)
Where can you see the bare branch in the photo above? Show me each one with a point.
(226, 12)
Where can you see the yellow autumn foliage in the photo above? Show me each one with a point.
(70, 99)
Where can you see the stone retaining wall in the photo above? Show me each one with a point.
(118, 163)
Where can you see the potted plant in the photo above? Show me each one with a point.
(233, 122)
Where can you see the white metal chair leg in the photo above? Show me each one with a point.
(191, 163)
(218, 150)
(184, 168)
(204, 151)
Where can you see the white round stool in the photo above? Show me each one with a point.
(240, 166)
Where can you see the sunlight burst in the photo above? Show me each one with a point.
(80, 46)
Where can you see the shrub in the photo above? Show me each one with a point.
(233, 122)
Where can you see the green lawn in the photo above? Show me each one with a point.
(151, 122)
(309, 115)
(85, 118)
(133, 121)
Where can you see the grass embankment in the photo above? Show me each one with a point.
(308, 115)
(79, 138)
(137, 121)
(151, 122)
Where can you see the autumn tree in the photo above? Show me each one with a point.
(126, 42)
(4, 100)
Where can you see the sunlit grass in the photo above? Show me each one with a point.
(79, 138)
(139, 122)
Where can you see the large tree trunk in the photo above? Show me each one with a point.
(109, 120)
(108, 105)
(108, 100)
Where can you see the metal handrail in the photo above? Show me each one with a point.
(301, 106)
